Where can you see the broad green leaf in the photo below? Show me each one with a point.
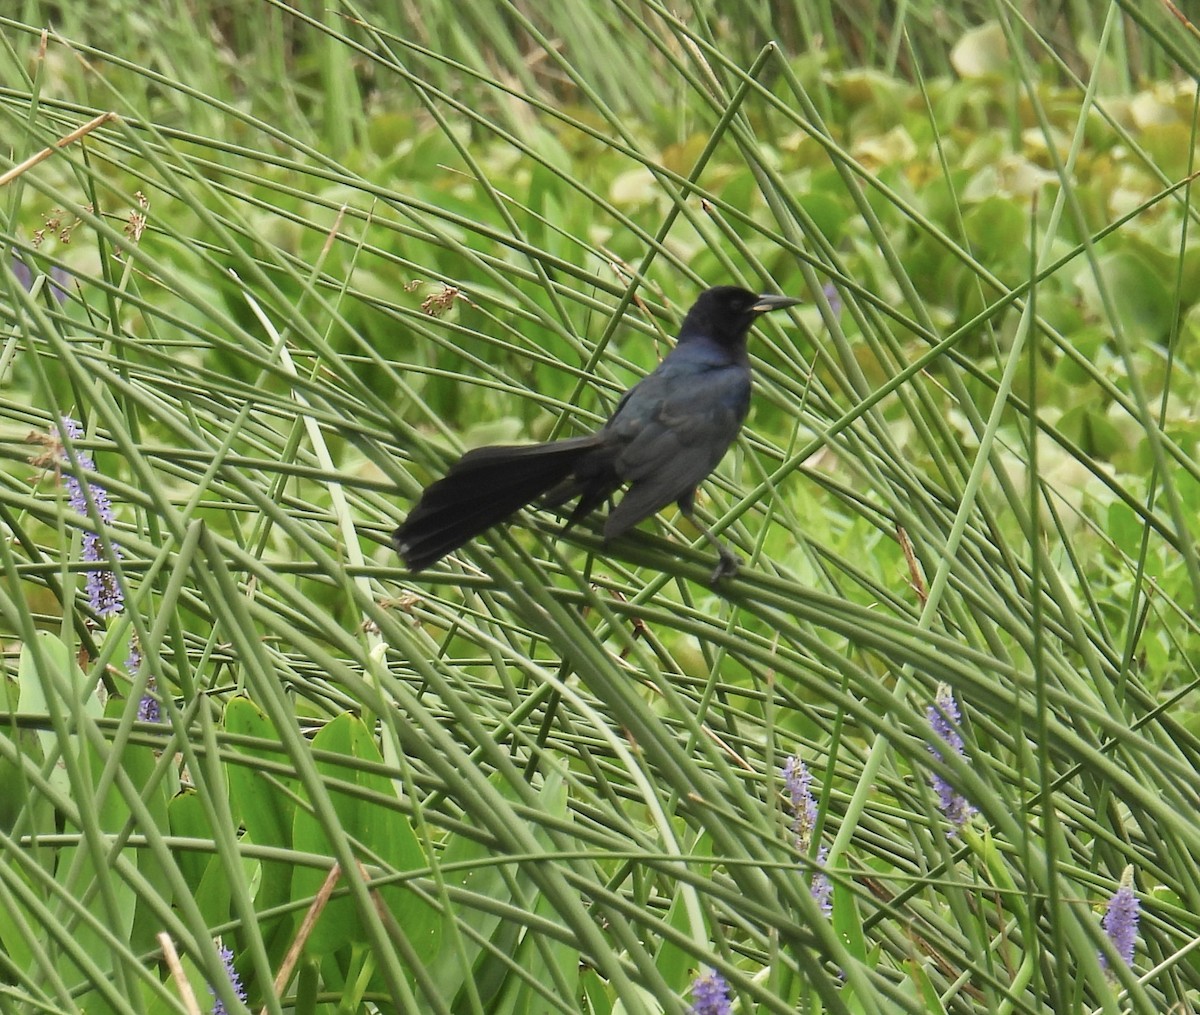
(383, 832)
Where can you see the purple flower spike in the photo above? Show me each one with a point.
(944, 718)
(710, 994)
(103, 591)
(1121, 917)
(821, 887)
(797, 779)
(218, 1007)
(944, 721)
(148, 708)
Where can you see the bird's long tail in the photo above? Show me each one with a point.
(481, 489)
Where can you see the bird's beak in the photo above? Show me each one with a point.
(768, 302)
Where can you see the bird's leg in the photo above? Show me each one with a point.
(728, 562)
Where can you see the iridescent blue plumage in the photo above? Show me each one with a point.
(666, 435)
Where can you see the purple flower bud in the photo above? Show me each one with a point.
(1121, 917)
(710, 994)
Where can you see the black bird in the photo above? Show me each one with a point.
(668, 433)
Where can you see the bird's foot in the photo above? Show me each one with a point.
(728, 563)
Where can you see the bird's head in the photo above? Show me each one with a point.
(724, 314)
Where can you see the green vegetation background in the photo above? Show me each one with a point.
(283, 263)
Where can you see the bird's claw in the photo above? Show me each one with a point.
(727, 566)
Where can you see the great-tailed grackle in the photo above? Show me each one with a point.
(668, 433)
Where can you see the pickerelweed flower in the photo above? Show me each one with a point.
(797, 780)
(103, 591)
(710, 994)
(148, 707)
(218, 1007)
(944, 721)
(834, 298)
(59, 278)
(1121, 917)
(820, 886)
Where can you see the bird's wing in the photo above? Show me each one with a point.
(673, 435)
